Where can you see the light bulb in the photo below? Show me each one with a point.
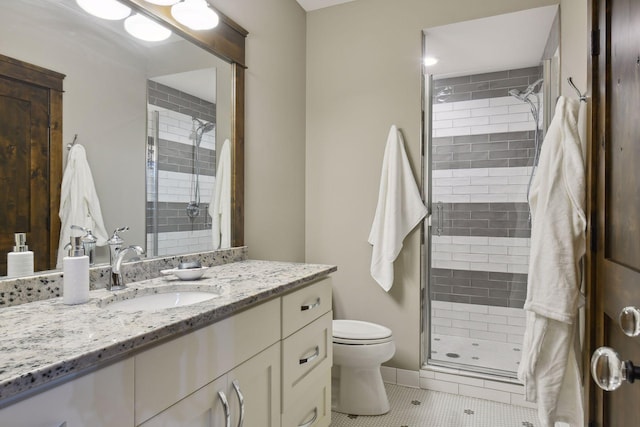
(145, 29)
(105, 9)
(195, 14)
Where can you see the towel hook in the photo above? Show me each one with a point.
(580, 95)
(75, 138)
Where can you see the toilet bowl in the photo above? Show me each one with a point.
(359, 348)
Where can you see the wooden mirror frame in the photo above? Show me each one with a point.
(226, 41)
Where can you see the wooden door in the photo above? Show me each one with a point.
(616, 147)
(30, 159)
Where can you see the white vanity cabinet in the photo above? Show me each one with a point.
(266, 366)
(178, 383)
(101, 398)
(307, 356)
(245, 396)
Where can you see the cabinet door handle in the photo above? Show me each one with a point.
(225, 406)
(308, 359)
(313, 420)
(306, 307)
(236, 387)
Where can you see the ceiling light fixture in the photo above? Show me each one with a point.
(145, 29)
(195, 14)
(105, 9)
(430, 61)
(163, 2)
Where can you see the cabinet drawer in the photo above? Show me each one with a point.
(302, 307)
(312, 407)
(171, 371)
(305, 355)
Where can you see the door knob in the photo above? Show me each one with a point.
(630, 321)
(609, 372)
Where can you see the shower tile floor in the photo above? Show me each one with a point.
(476, 352)
(411, 407)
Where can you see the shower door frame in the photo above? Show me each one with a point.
(426, 146)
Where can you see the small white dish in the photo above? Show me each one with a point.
(186, 273)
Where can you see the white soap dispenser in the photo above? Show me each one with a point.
(20, 261)
(75, 274)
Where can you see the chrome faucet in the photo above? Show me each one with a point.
(116, 281)
(116, 256)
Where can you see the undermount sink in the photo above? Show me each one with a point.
(158, 299)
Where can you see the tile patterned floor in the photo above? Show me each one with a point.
(412, 407)
(476, 352)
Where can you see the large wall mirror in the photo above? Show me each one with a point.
(488, 101)
(152, 116)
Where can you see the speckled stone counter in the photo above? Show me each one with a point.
(45, 285)
(44, 342)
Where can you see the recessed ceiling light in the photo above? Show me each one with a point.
(430, 61)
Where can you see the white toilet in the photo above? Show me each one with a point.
(359, 348)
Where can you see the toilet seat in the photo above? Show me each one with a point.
(357, 332)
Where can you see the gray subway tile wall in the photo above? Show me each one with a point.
(486, 85)
(498, 150)
(483, 219)
(182, 102)
(479, 287)
(174, 156)
(513, 149)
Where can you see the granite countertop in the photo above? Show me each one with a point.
(45, 341)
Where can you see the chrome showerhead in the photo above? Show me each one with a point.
(203, 127)
(533, 88)
(517, 94)
(206, 127)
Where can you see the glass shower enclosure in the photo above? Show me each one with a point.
(483, 128)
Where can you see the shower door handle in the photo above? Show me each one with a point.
(439, 218)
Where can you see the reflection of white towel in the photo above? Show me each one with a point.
(79, 204)
(220, 205)
(399, 209)
(549, 368)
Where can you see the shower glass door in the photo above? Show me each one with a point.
(483, 129)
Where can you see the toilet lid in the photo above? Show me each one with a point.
(359, 330)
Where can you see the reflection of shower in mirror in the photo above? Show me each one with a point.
(199, 129)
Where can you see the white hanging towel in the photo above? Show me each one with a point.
(220, 204)
(400, 209)
(549, 368)
(79, 203)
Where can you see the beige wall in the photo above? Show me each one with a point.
(363, 74)
(275, 126)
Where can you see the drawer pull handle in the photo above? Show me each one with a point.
(236, 387)
(315, 354)
(313, 420)
(225, 406)
(310, 306)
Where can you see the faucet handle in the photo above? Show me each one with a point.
(115, 238)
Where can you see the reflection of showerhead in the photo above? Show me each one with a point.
(203, 127)
(206, 127)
